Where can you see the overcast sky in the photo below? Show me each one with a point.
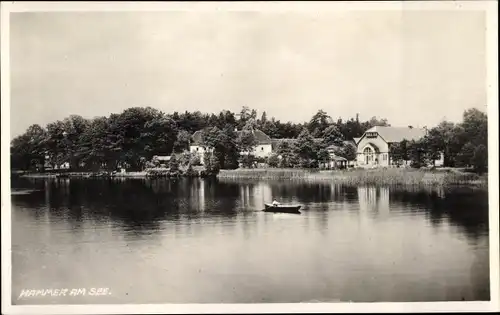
(413, 68)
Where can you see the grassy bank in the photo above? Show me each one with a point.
(81, 175)
(392, 176)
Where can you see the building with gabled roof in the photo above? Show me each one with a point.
(261, 137)
(373, 147)
(262, 149)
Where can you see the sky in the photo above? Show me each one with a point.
(411, 67)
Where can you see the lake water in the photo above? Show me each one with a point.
(207, 241)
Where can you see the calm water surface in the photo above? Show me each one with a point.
(195, 241)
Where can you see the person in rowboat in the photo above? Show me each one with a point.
(275, 203)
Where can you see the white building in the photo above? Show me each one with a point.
(373, 146)
(262, 149)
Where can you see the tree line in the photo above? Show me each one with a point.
(131, 139)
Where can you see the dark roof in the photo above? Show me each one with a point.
(196, 137)
(276, 142)
(162, 157)
(291, 140)
(397, 134)
(337, 158)
(260, 136)
(333, 147)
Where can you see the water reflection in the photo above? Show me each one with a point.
(374, 201)
(397, 244)
(142, 204)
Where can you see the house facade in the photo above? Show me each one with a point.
(373, 147)
(262, 149)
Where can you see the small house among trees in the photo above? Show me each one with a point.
(249, 142)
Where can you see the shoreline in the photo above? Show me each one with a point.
(81, 175)
(154, 173)
(390, 176)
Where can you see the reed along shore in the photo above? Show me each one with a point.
(389, 176)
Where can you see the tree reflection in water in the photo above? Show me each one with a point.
(142, 204)
(343, 237)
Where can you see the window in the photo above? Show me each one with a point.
(371, 134)
(197, 149)
(384, 157)
(368, 153)
(262, 148)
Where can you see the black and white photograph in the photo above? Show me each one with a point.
(249, 157)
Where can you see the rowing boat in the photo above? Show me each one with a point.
(282, 208)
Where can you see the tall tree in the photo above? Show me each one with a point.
(417, 153)
(222, 146)
(480, 158)
(432, 146)
(246, 139)
(263, 118)
(351, 129)
(209, 138)
(322, 154)
(230, 148)
(374, 121)
(74, 127)
(305, 149)
(182, 142)
(57, 144)
(28, 150)
(245, 115)
(332, 136)
(227, 119)
(319, 122)
(348, 151)
(464, 158)
(475, 124)
(399, 152)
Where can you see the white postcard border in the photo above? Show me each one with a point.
(492, 72)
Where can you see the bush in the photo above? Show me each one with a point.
(273, 161)
(212, 165)
(157, 172)
(174, 163)
(247, 161)
(260, 159)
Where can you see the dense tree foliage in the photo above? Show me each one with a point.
(28, 150)
(133, 137)
(130, 139)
